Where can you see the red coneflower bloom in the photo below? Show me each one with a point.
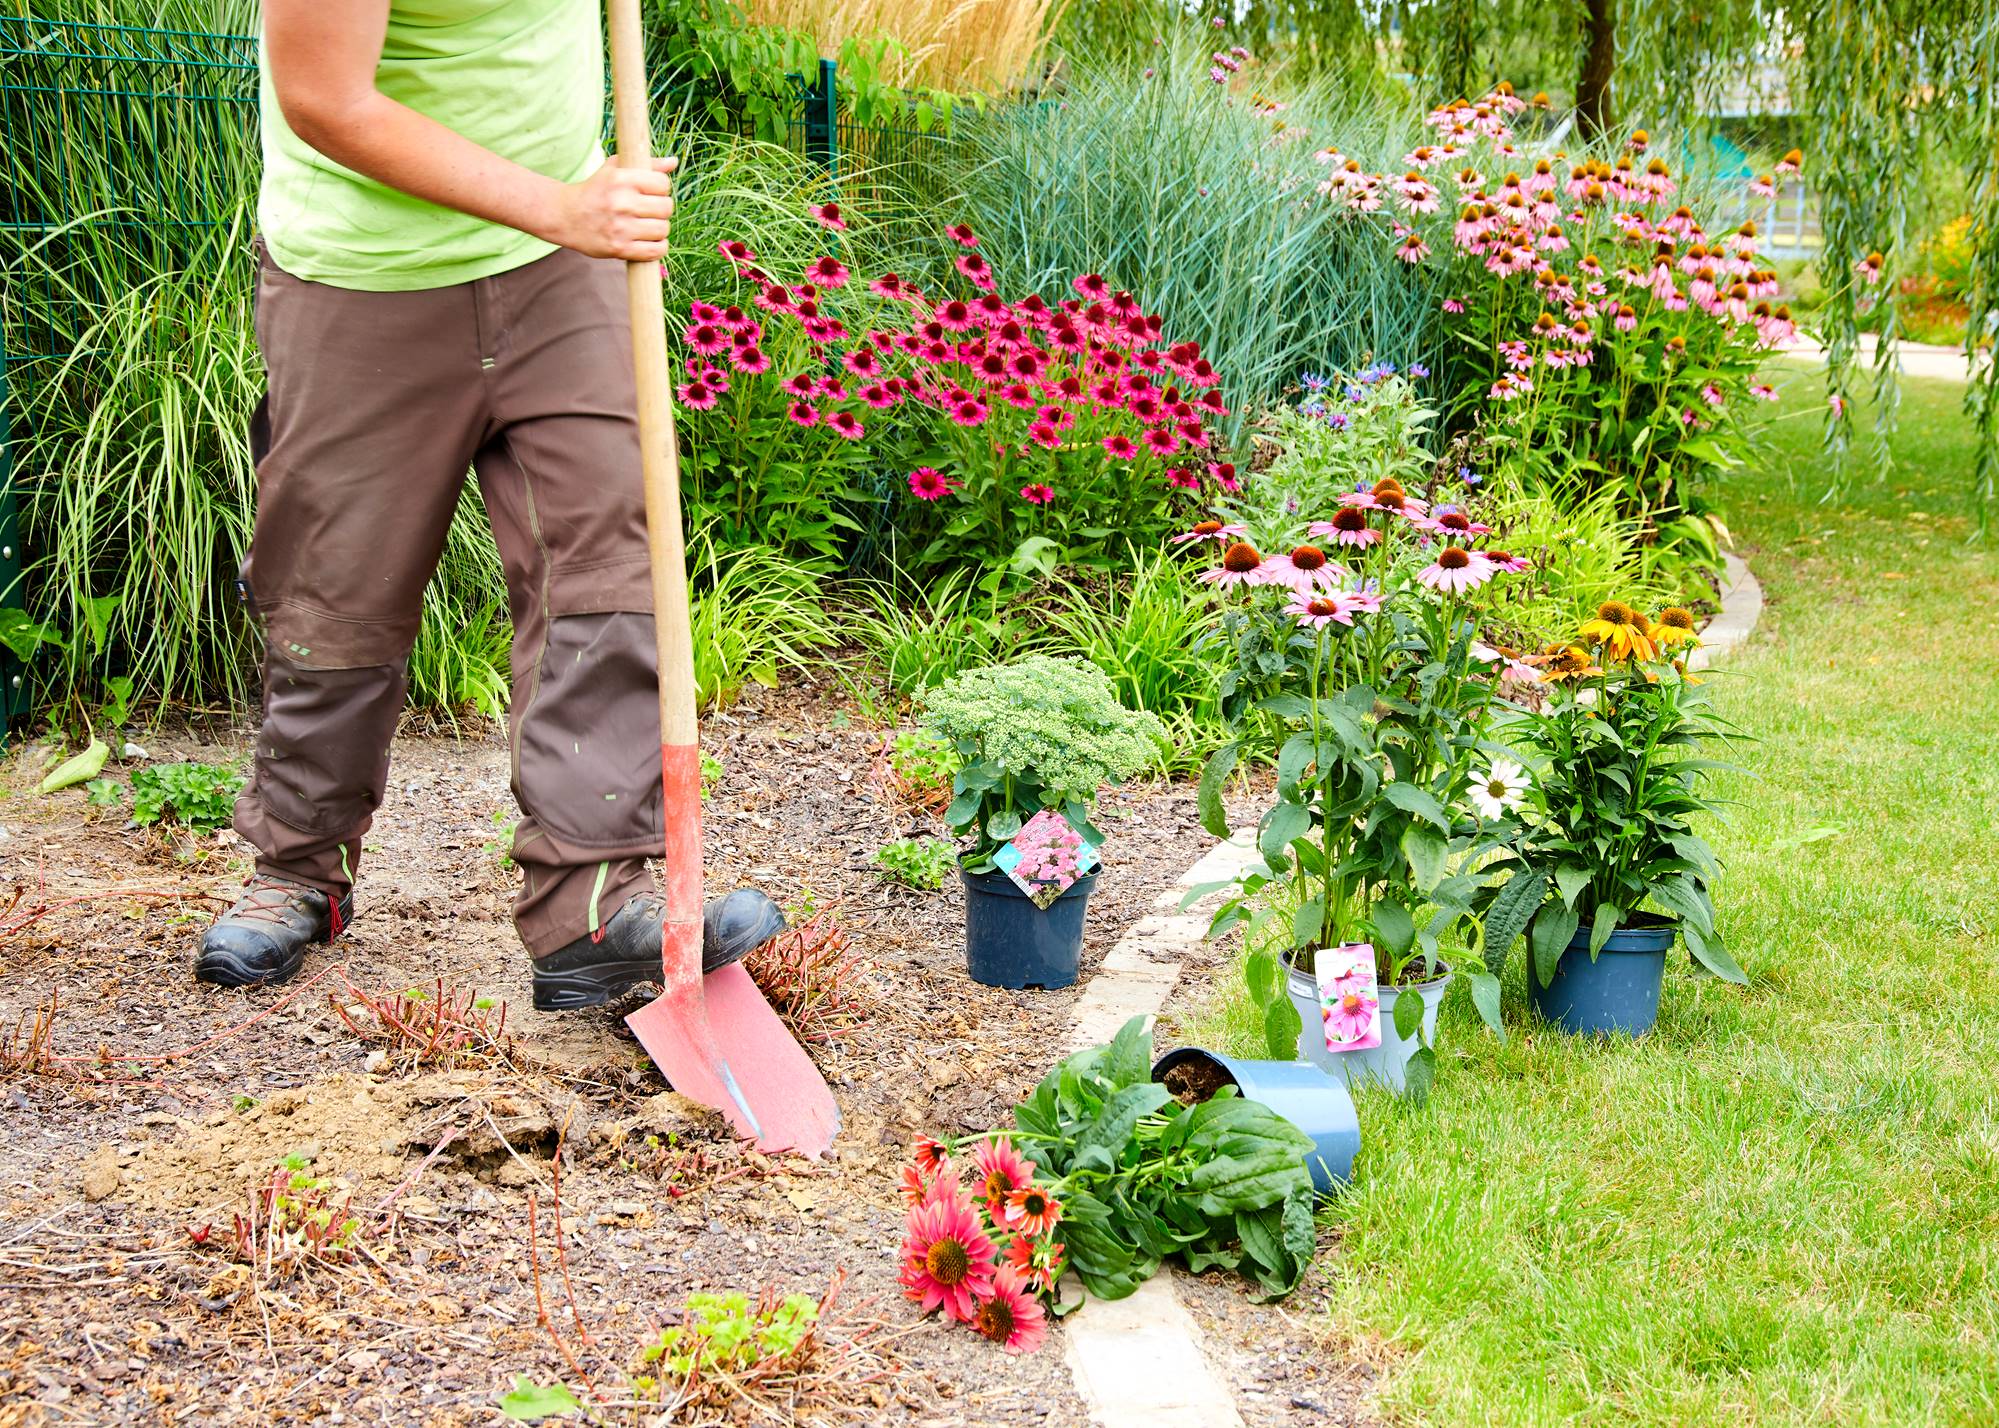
(947, 1260)
(927, 483)
(888, 285)
(847, 425)
(974, 267)
(1037, 1262)
(1120, 447)
(928, 1155)
(968, 413)
(862, 362)
(774, 297)
(1001, 1170)
(962, 233)
(828, 272)
(698, 395)
(1037, 494)
(801, 384)
(707, 338)
(1011, 1316)
(804, 413)
(1161, 441)
(1091, 285)
(955, 316)
(828, 215)
(736, 251)
(1031, 1210)
(1043, 433)
(749, 359)
(1182, 479)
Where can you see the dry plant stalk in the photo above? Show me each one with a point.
(963, 46)
(25, 1046)
(446, 1028)
(812, 978)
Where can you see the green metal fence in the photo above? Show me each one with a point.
(133, 151)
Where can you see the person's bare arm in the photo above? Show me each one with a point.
(322, 56)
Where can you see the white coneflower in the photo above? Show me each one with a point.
(1501, 787)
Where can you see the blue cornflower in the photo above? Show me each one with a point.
(1355, 394)
(1469, 476)
(1417, 369)
(1314, 382)
(1336, 420)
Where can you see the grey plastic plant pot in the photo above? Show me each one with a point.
(1386, 1065)
(1617, 994)
(1316, 1102)
(1009, 942)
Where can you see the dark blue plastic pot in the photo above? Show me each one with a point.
(1310, 1098)
(1009, 942)
(1617, 994)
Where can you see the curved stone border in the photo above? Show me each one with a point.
(1741, 608)
(1138, 1362)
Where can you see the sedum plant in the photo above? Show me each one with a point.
(1038, 733)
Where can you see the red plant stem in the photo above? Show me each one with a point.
(562, 1258)
(541, 1307)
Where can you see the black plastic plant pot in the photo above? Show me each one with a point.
(1311, 1098)
(1009, 942)
(1617, 994)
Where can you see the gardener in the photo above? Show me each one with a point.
(442, 286)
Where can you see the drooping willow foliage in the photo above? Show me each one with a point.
(1886, 91)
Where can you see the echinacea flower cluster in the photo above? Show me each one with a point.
(983, 1251)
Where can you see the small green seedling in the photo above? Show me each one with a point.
(920, 863)
(500, 847)
(922, 761)
(199, 796)
(104, 793)
(711, 773)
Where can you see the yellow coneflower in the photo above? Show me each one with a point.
(1621, 630)
(1560, 662)
(1675, 627)
(1680, 668)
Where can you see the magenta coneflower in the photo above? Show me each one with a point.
(804, 413)
(947, 1261)
(1210, 530)
(1387, 495)
(861, 361)
(962, 234)
(1303, 568)
(737, 252)
(927, 483)
(707, 338)
(1043, 433)
(1452, 524)
(1763, 391)
(697, 394)
(1001, 1170)
(1510, 564)
(1161, 441)
(1091, 286)
(1120, 447)
(1011, 1315)
(888, 285)
(1456, 570)
(1182, 479)
(847, 425)
(1037, 494)
(1241, 565)
(955, 316)
(974, 267)
(1347, 527)
(749, 359)
(969, 412)
(801, 384)
(704, 312)
(878, 396)
(828, 215)
(1453, 306)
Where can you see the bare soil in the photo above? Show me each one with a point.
(128, 1163)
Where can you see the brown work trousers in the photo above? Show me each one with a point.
(377, 405)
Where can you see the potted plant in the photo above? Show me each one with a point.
(1036, 740)
(1353, 664)
(1604, 870)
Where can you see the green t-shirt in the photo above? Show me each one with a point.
(524, 78)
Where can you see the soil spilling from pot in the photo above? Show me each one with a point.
(1196, 1080)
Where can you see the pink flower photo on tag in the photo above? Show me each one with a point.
(1349, 1007)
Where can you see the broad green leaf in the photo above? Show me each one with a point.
(1421, 1074)
(1281, 1028)
(1485, 996)
(1678, 895)
(24, 636)
(1408, 1015)
(1292, 760)
(1307, 921)
(1393, 927)
(1571, 878)
(1129, 1059)
(1002, 825)
(1509, 914)
(97, 612)
(80, 769)
(1608, 916)
(1425, 849)
(532, 1402)
(1260, 972)
(1110, 1133)
(1419, 801)
(1554, 926)
(1221, 763)
(1282, 824)
(1711, 954)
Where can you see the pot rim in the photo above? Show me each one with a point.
(1445, 971)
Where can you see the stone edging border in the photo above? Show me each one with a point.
(1138, 1362)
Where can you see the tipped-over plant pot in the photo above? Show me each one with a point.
(1614, 994)
(1009, 942)
(1315, 1102)
(1386, 1065)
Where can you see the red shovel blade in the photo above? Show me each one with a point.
(765, 1083)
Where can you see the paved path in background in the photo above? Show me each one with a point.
(1914, 359)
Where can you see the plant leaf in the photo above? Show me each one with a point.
(1394, 927)
(79, 769)
(1221, 763)
(1282, 1027)
(532, 1402)
(1419, 801)
(1509, 914)
(1554, 925)
(1485, 996)
(1425, 849)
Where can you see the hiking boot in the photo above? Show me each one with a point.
(591, 971)
(262, 939)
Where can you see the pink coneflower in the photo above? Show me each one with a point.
(1241, 565)
(847, 426)
(1347, 527)
(828, 215)
(962, 234)
(705, 312)
(707, 338)
(1010, 1315)
(749, 359)
(828, 272)
(1319, 608)
(947, 1261)
(1763, 391)
(929, 1155)
(1303, 568)
(804, 413)
(954, 316)
(974, 267)
(1001, 1170)
(1091, 286)
(888, 285)
(1120, 447)
(1792, 162)
(1451, 524)
(1161, 441)
(1868, 269)
(1763, 186)
(1386, 495)
(1418, 194)
(1180, 478)
(1456, 570)
(1031, 1210)
(861, 361)
(1626, 319)
(1351, 1017)
(1453, 306)
(915, 1186)
(1037, 494)
(1043, 433)
(1837, 403)
(878, 396)
(1510, 564)
(1413, 249)
(1210, 530)
(801, 384)
(697, 394)
(969, 412)
(737, 252)
(927, 483)
(774, 297)
(1711, 394)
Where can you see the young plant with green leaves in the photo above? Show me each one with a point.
(196, 795)
(1041, 733)
(1598, 831)
(920, 863)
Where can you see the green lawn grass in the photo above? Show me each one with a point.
(1782, 1206)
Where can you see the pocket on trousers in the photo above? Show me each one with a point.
(589, 738)
(323, 753)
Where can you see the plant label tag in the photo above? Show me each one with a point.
(1046, 857)
(1349, 1005)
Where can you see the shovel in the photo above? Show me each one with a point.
(715, 1039)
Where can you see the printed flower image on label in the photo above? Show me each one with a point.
(1046, 857)
(1349, 1006)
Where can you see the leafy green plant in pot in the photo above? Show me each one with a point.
(1603, 871)
(1366, 684)
(1036, 740)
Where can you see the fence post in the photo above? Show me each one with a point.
(822, 130)
(13, 672)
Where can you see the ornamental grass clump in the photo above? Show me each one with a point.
(1041, 733)
(1597, 828)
